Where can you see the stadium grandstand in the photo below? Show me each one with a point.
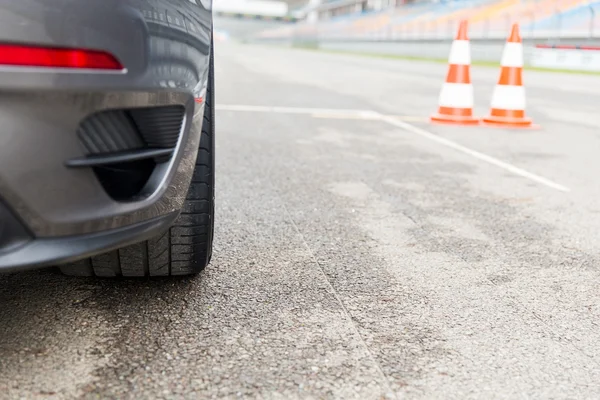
(405, 19)
(253, 9)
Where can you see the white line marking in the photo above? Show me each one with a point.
(293, 110)
(345, 116)
(474, 153)
(391, 120)
(318, 112)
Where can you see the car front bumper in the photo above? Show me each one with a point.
(53, 213)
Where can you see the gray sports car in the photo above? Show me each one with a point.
(106, 136)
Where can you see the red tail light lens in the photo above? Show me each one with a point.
(49, 57)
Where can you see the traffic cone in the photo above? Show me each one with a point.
(456, 97)
(508, 99)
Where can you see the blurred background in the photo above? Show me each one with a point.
(400, 27)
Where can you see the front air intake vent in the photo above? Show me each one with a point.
(124, 146)
(131, 129)
(159, 126)
(109, 132)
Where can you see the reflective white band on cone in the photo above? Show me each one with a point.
(460, 53)
(509, 97)
(512, 55)
(457, 95)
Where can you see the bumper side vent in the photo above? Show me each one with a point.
(124, 147)
(109, 132)
(159, 127)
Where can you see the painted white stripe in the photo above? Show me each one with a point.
(360, 116)
(475, 154)
(509, 97)
(458, 95)
(512, 56)
(460, 53)
(370, 117)
(323, 113)
(295, 110)
(392, 120)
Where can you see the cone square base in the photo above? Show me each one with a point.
(507, 122)
(454, 119)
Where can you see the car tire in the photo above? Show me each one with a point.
(186, 247)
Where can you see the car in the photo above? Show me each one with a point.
(107, 145)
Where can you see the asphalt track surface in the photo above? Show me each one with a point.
(361, 253)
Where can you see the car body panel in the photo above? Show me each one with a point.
(164, 46)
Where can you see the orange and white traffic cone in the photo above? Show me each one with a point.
(508, 99)
(456, 97)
